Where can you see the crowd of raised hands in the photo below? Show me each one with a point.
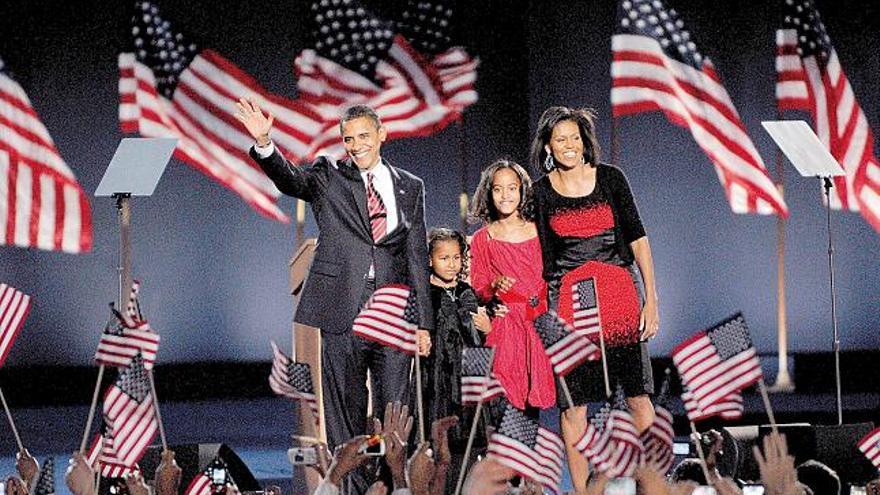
(425, 471)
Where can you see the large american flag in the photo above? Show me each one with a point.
(870, 446)
(659, 437)
(810, 77)
(130, 413)
(528, 448)
(102, 456)
(586, 319)
(14, 307)
(565, 347)
(715, 363)
(611, 442)
(170, 87)
(390, 317)
(41, 203)
(293, 380)
(656, 66)
(729, 407)
(478, 383)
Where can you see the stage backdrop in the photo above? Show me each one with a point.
(214, 271)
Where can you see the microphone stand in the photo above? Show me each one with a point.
(827, 185)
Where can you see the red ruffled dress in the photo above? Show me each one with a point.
(521, 365)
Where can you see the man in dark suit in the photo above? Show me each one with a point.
(371, 225)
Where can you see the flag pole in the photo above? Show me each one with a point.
(783, 378)
(698, 443)
(421, 409)
(763, 388)
(82, 445)
(156, 408)
(473, 433)
(462, 168)
(11, 421)
(602, 343)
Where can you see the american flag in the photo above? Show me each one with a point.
(129, 412)
(390, 317)
(870, 446)
(102, 456)
(293, 380)
(565, 348)
(656, 66)
(477, 383)
(810, 77)
(611, 442)
(14, 307)
(200, 485)
(41, 203)
(45, 484)
(658, 438)
(124, 338)
(528, 448)
(170, 87)
(729, 407)
(585, 307)
(717, 362)
(415, 79)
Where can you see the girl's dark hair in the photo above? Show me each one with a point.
(440, 234)
(584, 118)
(483, 208)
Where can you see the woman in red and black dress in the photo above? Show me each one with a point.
(590, 228)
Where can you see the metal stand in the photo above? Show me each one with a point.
(827, 185)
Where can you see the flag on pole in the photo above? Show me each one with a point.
(565, 348)
(870, 446)
(102, 456)
(528, 448)
(656, 66)
(585, 309)
(125, 336)
(41, 203)
(477, 383)
(293, 380)
(729, 407)
(130, 413)
(390, 317)
(14, 307)
(611, 442)
(658, 438)
(170, 87)
(811, 78)
(715, 363)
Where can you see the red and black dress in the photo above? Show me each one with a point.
(588, 264)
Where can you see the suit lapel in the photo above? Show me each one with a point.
(358, 192)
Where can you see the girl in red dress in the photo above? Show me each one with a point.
(506, 268)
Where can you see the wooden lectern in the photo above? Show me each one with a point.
(307, 349)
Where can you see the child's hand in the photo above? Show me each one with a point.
(424, 342)
(501, 310)
(503, 283)
(481, 320)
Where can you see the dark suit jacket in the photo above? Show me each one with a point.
(345, 248)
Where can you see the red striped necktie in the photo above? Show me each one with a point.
(376, 209)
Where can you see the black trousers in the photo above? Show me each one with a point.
(345, 361)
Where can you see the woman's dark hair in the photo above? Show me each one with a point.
(483, 208)
(585, 120)
(440, 234)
